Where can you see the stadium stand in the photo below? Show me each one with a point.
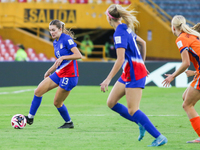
(189, 9)
(8, 51)
(125, 2)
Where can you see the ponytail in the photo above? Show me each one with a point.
(196, 27)
(179, 22)
(68, 32)
(117, 12)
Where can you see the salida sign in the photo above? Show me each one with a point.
(47, 15)
(157, 76)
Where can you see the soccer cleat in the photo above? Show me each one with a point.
(142, 132)
(29, 120)
(194, 141)
(161, 140)
(67, 125)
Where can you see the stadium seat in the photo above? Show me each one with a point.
(12, 52)
(22, 1)
(3, 51)
(189, 9)
(72, 1)
(126, 2)
(82, 1)
(1, 58)
(42, 57)
(52, 59)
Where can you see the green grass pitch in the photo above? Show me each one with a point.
(96, 126)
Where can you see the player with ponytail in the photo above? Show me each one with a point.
(63, 74)
(188, 44)
(133, 78)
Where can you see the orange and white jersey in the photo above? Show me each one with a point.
(190, 43)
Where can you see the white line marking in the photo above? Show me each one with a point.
(16, 92)
(96, 115)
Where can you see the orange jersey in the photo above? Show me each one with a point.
(192, 44)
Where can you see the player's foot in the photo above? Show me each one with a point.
(67, 125)
(194, 141)
(29, 120)
(161, 140)
(142, 132)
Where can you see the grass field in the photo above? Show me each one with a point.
(96, 126)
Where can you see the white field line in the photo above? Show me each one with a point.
(98, 115)
(16, 92)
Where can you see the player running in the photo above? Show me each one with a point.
(189, 46)
(65, 76)
(133, 78)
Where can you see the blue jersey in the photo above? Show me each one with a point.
(133, 66)
(62, 47)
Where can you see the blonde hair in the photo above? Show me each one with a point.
(179, 22)
(117, 11)
(59, 24)
(196, 27)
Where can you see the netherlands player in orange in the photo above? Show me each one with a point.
(188, 44)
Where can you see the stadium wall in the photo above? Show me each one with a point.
(91, 73)
(156, 32)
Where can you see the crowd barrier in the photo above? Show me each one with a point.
(91, 73)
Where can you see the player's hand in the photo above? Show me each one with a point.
(168, 80)
(58, 62)
(147, 71)
(104, 85)
(190, 73)
(47, 74)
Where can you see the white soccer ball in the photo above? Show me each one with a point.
(18, 121)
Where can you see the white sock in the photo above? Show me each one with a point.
(30, 116)
(69, 121)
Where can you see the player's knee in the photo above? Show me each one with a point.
(183, 97)
(110, 103)
(37, 93)
(57, 104)
(131, 111)
(185, 106)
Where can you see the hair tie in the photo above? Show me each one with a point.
(110, 15)
(62, 23)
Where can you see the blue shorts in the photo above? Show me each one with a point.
(67, 83)
(134, 84)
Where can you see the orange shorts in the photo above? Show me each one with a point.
(196, 82)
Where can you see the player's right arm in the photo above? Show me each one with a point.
(50, 70)
(115, 69)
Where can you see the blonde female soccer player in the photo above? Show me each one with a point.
(65, 76)
(133, 78)
(189, 46)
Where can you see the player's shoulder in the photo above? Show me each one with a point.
(182, 36)
(121, 29)
(65, 36)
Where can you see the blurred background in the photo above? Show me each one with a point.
(24, 34)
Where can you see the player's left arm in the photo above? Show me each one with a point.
(184, 65)
(142, 47)
(76, 55)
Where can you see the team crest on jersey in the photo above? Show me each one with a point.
(118, 40)
(70, 41)
(61, 45)
(179, 44)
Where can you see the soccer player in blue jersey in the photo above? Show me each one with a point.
(133, 78)
(62, 74)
